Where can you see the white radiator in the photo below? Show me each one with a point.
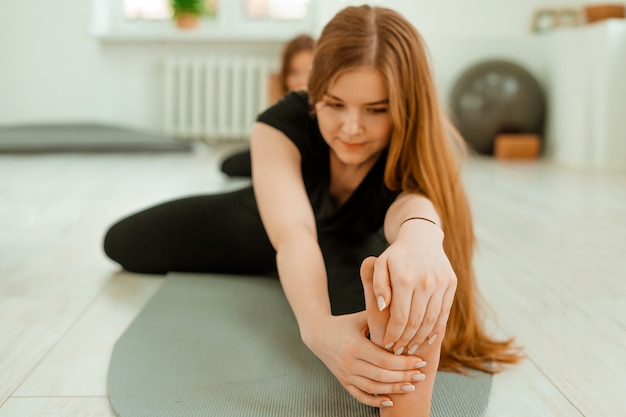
(214, 98)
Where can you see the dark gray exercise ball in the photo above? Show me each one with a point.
(495, 97)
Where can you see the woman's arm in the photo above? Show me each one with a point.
(363, 368)
(290, 223)
(413, 276)
(409, 290)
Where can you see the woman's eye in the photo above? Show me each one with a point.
(334, 105)
(377, 110)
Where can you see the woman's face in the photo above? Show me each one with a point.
(298, 73)
(354, 116)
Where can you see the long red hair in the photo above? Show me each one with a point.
(421, 157)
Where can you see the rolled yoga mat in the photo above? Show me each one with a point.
(229, 346)
(46, 138)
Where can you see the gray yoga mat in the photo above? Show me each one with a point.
(227, 346)
(44, 138)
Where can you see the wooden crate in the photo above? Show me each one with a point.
(517, 146)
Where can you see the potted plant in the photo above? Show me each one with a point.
(186, 13)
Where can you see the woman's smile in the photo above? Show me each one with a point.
(353, 146)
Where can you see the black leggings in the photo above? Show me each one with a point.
(238, 164)
(223, 233)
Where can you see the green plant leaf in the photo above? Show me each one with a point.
(194, 7)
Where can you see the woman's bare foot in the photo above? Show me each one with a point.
(416, 401)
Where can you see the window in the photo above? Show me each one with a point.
(146, 9)
(276, 9)
(258, 9)
(231, 20)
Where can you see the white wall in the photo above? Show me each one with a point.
(588, 96)
(49, 64)
(53, 69)
(447, 17)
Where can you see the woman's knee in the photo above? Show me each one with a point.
(238, 165)
(123, 244)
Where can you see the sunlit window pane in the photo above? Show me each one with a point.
(276, 9)
(255, 8)
(147, 9)
(260, 9)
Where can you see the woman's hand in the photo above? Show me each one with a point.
(365, 370)
(414, 278)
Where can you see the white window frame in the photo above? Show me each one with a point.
(230, 23)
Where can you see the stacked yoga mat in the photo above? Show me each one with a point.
(45, 138)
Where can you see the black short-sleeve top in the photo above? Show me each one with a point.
(364, 211)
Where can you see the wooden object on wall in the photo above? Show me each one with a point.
(547, 19)
(517, 146)
(598, 12)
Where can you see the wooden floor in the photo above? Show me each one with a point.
(551, 264)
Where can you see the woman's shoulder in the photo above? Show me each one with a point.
(292, 108)
(291, 115)
(301, 98)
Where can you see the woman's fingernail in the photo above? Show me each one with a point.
(389, 345)
(399, 351)
(408, 388)
(387, 403)
(432, 339)
(412, 349)
(420, 365)
(418, 377)
(381, 302)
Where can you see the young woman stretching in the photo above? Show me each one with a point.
(360, 165)
(293, 75)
